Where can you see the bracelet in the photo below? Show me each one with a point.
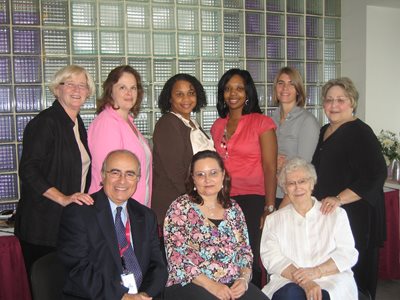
(340, 200)
(245, 281)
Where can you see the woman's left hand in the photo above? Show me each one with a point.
(303, 275)
(238, 288)
(329, 204)
(313, 291)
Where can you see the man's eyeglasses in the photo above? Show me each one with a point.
(117, 174)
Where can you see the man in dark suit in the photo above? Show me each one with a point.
(91, 249)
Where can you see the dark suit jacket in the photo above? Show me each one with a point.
(88, 247)
(172, 153)
(50, 158)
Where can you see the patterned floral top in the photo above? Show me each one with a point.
(196, 246)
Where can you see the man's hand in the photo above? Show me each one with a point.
(140, 296)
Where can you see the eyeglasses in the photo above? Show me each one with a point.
(201, 175)
(331, 101)
(73, 86)
(117, 174)
(300, 182)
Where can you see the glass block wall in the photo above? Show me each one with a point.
(159, 38)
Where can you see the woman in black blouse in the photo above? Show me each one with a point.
(55, 164)
(351, 173)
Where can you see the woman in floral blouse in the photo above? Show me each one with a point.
(206, 239)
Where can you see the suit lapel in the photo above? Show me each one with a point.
(106, 223)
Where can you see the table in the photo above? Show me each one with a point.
(13, 279)
(389, 255)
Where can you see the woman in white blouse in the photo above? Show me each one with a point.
(309, 255)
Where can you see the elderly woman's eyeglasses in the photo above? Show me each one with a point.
(331, 101)
(201, 175)
(73, 86)
(117, 174)
(300, 182)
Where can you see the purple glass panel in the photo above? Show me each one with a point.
(5, 98)
(8, 160)
(255, 68)
(313, 26)
(273, 68)
(28, 98)
(4, 9)
(26, 41)
(254, 47)
(7, 129)
(25, 12)
(254, 4)
(8, 186)
(293, 25)
(253, 23)
(22, 120)
(274, 48)
(4, 40)
(274, 24)
(312, 72)
(293, 49)
(313, 50)
(27, 69)
(5, 70)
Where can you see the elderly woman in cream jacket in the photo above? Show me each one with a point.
(309, 255)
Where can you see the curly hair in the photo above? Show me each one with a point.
(112, 78)
(250, 88)
(347, 85)
(297, 82)
(164, 103)
(224, 197)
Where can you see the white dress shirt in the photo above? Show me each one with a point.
(289, 238)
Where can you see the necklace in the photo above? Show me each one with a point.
(210, 209)
(224, 143)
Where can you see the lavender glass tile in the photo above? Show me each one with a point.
(275, 48)
(55, 13)
(295, 49)
(255, 4)
(313, 72)
(275, 5)
(256, 69)
(26, 41)
(294, 25)
(4, 12)
(5, 98)
(27, 69)
(28, 98)
(8, 161)
(8, 186)
(21, 121)
(25, 12)
(4, 40)
(7, 129)
(5, 70)
(275, 24)
(313, 26)
(255, 47)
(313, 49)
(254, 22)
(273, 68)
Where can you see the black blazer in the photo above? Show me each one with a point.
(88, 247)
(50, 158)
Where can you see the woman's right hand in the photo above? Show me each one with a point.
(221, 291)
(78, 198)
(313, 291)
(280, 161)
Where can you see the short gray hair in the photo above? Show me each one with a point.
(295, 164)
(119, 151)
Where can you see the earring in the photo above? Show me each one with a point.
(222, 186)
(194, 189)
(246, 102)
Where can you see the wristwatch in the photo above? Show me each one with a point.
(269, 208)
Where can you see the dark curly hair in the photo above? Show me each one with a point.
(250, 88)
(112, 79)
(164, 103)
(224, 197)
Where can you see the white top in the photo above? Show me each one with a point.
(289, 238)
(199, 140)
(84, 156)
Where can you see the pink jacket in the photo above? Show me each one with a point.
(109, 132)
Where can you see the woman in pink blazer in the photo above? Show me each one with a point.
(114, 128)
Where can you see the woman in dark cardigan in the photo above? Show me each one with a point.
(55, 164)
(351, 173)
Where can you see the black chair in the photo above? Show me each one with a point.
(47, 278)
(364, 295)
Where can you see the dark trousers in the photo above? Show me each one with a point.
(293, 291)
(195, 292)
(253, 209)
(32, 253)
(366, 270)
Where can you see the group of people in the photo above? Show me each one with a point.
(195, 216)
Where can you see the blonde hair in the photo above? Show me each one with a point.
(66, 72)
